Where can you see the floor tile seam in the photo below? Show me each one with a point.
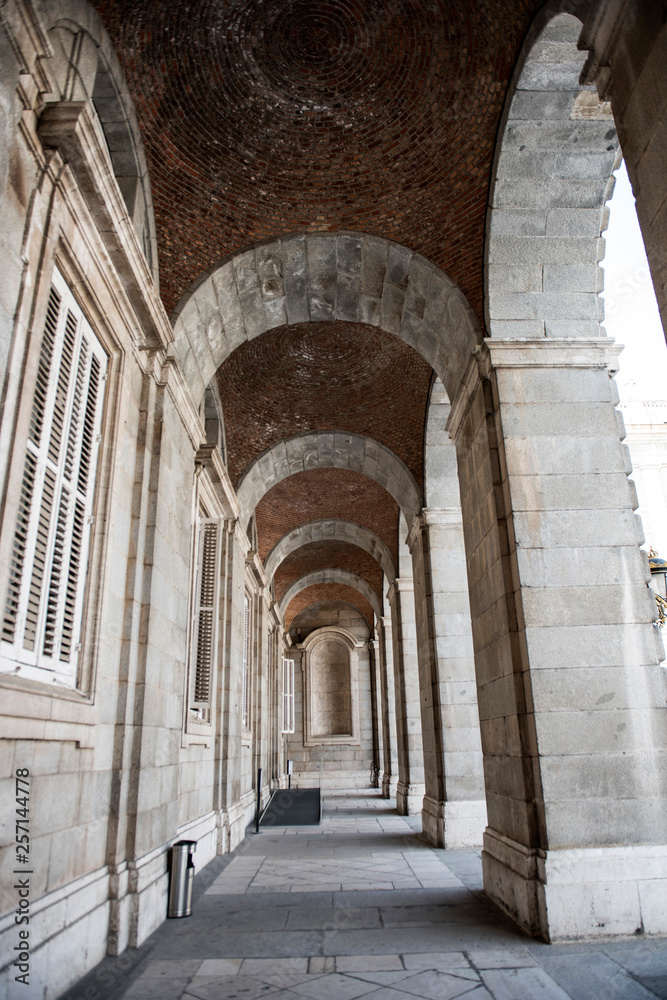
(620, 968)
(624, 968)
(355, 974)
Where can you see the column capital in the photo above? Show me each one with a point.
(400, 584)
(553, 352)
(208, 457)
(432, 515)
(497, 353)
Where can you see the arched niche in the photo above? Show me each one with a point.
(331, 675)
(85, 67)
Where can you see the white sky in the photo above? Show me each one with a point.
(631, 312)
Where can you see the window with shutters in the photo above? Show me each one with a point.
(205, 618)
(43, 606)
(288, 696)
(245, 696)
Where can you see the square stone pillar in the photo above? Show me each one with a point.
(389, 749)
(376, 710)
(569, 686)
(410, 787)
(454, 809)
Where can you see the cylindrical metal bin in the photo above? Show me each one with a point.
(182, 877)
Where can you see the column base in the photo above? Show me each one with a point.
(590, 892)
(389, 782)
(409, 798)
(453, 824)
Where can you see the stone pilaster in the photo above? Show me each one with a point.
(376, 710)
(229, 755)
(410, 787)
(389, 749)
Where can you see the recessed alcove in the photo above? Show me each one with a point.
(331, 673)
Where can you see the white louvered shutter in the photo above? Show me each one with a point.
(205, 617)
(246, 628)
(44, 601)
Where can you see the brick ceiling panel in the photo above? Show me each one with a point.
(327, 555)
(265, 117)
(322, 592)
(324, 376)
(326, 493)
(269, 117)
(322, 613)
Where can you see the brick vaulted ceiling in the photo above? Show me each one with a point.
(321, 493)
(267, 117)
(324, 376)
(327, 555)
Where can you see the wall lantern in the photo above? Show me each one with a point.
(658, 584)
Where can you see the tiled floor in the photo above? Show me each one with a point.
(359, 907)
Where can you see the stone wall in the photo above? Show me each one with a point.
(116, 771)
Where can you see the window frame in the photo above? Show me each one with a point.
(34, 666)
(199, 716)
(289, 716)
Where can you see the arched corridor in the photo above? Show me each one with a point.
(312, 470)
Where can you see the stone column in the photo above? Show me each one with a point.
(296, 749)
(275, 675)
(261, 701)
(566, 658)
(454, 809)
(389, 751)
(376, 710)
(410, 787)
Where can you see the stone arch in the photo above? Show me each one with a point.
(329, 450)
(321, 596)
(331, 530)
(552, 176)
(86, 68)
(343, 576)
(353, 277)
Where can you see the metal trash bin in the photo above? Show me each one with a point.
(181, 882)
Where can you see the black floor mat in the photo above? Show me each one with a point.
(294, 807)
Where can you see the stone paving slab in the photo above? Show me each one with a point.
(293, 916)
(595, 975)
(522, 984)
